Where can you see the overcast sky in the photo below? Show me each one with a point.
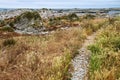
(59, 3)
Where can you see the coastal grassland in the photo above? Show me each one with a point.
(92, 25)
(40, 57)
(44, 57)
(32, 20)
(105, 53)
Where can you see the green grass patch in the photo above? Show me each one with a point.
(105, 57)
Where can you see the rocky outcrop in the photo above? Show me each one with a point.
(28, 22)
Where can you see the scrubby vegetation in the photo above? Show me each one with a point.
(9, 42)
(33, 20)
(26, 19)
(73, 17)
(66, 20)
(2, 23)
(28, 15)
(105, 57)
(7, 29)
(89, 16)
(48, 57)
(44, 57)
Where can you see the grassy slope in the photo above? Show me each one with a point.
(105, 57)
(43, 57)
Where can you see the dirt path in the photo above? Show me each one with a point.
(80, 62)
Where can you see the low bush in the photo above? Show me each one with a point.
(89, 16)
(28, 15)
(9, 42)
(73, 17)
(2, 23)
(7, 29)
(31, 15)
(11, 24)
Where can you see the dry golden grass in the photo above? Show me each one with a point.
(42, 57)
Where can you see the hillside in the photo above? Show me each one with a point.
(36, 48)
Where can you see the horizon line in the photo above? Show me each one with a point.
(57, 8)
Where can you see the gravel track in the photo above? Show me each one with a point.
(81, 61)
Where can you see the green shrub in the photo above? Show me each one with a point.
(31, 15)
(36, 15)
(89, 16)
(9, 42)
(2, 22)
(11, 24)
(73, 17)
(17, 19)
(28, 15)
(8, 29)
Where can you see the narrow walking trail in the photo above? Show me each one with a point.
(81, 61)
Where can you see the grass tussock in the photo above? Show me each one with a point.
(105, 57)
(9, 42)
(93, 25)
